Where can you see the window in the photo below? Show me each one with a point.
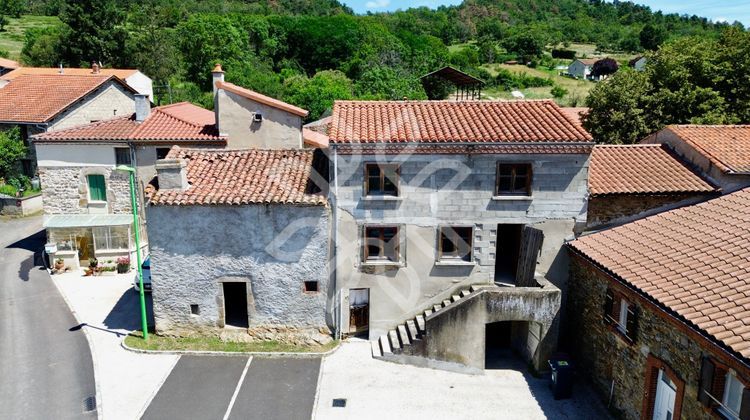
(161, 152)
(122, 156)
(455, 243)
(381, 243)
(621, 313)
(195, 310)
(311, 287)
(513, 179)
(732, 398)
(97, 188)
(623, 319)
(381, 180)
(111, 237)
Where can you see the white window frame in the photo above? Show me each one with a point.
(729, 409)
(622, 322)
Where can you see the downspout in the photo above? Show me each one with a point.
(338, 297)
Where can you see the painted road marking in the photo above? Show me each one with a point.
(237, 388)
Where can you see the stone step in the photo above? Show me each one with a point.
(393, 339)
(411, 328)
(474, 288)
(403, 336)
(375, 346)
(427, 313)
(385, 346)
(455, 298)
(436, 308)
(420, 322)
(446, 303)
(465, 293)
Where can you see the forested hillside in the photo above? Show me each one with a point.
(309, 52)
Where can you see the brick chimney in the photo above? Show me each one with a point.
(95, 68)
(142, 107)
(217, 75)
(172, 174)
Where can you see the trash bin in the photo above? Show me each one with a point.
(561, 378)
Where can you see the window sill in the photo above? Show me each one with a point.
(383, 264)
(382, 198)
(449, 263)
(512, 198)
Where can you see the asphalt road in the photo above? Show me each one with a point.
(204, 387)
(45, 370)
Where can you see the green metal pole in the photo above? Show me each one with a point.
(144, 322)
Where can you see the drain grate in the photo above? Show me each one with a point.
(89, 404)
(339, 402)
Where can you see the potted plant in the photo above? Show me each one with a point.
(123, 265)
(59, 264)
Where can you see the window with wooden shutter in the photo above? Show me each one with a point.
(631, 322)
(531, 246)
(97, 188)
(381, 179)
(609, 306)
(705, 388)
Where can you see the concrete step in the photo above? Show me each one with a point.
(465, 293)
(385, 346)
(411, 328)
(427, 313)
(446, 303)
(403, 336)
(375, 346)
(474, 288)
(436, 308)
(455, 298)
(420, 323)
(393, 340)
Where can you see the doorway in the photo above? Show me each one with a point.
(85, 246)
(359, 311)
(497, 344)
(235, 304)
(508, 249)
(666, 391)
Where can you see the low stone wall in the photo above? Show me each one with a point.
(604, 209)
(15, 206)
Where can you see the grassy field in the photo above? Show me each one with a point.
(156, 342)
(589, 51)
(578, 90)
(13, 37)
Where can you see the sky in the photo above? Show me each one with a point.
(717, 10)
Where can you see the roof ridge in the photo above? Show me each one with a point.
(178, 118)
(448, 101)
(52, 134)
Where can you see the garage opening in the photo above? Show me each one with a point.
(507, 253)
(504, 344)
(235, 304)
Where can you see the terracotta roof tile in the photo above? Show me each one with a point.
(575, 113)
(726, 146)
(21, 71)
(266, 100)
(453, 122)
(237, 177)
(180, 122)
(37, 99)
(9, 64)
(314, 139)
(651, 254)
(640, 169)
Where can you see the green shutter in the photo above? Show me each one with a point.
(97, 189)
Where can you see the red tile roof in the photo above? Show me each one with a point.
(726, 146)
(453, 122)
(8, 64)
(20, 71)
(314, 139)
(694, 261)
(640, 169)
(575, 113)
(265, 100)
(180, 122)
(237, 177)
(38, 99)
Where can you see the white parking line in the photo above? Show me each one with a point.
(237, 388)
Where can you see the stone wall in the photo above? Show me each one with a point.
(603, 209)
(110, 100)
(65, 190)
(437, 190)
(272, 248)
(606, 357)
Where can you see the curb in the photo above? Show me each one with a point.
(99, 401)
(294, 355)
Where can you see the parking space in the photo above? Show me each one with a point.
(213, 387)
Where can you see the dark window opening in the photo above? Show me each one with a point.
(195, 310)
(621, 314)
(235, 304)
(456, 243)
(513, 179)
(161, 152)
(381, 179)
(122, 156)
(507, 252)
(311, 286)
(381, 243)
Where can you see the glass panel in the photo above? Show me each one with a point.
(449, 248)
(122, 156)
(118, 237)
(373, 183)
(372, 238)
(504, 184)
(505, 170)
(373, 170)
(465, 243)
(390, 239)
(520, 184)
(390, 180)
(521, 170)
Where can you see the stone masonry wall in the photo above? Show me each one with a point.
(111, 100)
(65, 189)
(273, 248)
(605, 356)
(607, 208)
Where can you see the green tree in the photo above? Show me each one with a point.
(616, 112)
(42, 46)
(386, 83)
(558, 92)
(12, 8)
(94, 31)
(316, 94)
(205, 40)
(526, 44)
(12, 150)
(652, 37)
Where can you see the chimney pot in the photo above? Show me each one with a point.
(217, 75)
(95, 68)
(142, 107)
(172, 174)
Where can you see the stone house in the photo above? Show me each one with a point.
(638, 63)
(86, 202)
(662, 315)
(449, 223)
(42, 103)
(720, 152)
(581, 68)
(627, 182)
(132, 77)
(240, 244)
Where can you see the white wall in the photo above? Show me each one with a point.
(58, 155)
(142, 84)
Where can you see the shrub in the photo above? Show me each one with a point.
(558, 92)
(564, 54)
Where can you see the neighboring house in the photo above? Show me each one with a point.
(721, 152)
(132, 77)
(638, 63)
(240, 242)
(450, 218)
(631, 181)
(42, 103)
(87, 203)
(581, 68)
(661, 309)
(252, 120)
(7, 65)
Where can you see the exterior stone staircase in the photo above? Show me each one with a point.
(408, 338)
